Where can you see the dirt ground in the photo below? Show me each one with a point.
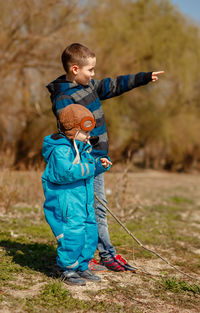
(130, 195)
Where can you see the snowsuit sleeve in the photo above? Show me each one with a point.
(61, 170)
(108, 88)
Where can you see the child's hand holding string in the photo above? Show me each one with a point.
(105, 162)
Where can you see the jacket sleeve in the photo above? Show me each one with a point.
(108, 88)
(61, 170)
(99, 168)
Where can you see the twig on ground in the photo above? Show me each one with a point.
(141, 245)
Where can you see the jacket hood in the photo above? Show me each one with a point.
(51, 142)
(54, 140)
(60, 85)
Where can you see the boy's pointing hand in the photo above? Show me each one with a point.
(155, 75)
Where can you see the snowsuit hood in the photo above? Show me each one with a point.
(51, 142)
(54, 140)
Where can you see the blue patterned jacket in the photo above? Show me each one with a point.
(64, 93)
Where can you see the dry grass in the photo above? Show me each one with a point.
(161, 209)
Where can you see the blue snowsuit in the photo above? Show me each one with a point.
(69, 199)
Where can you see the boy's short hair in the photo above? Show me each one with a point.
(76, 53)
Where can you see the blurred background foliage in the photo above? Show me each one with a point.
(156, 126)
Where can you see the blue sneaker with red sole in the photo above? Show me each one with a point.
(127, 266)
(113, 264)
(118, 264)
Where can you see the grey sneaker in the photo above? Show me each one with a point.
(88, 274)
(72, 278)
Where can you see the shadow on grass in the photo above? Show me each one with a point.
(36, 256)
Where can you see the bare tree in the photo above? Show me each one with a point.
(33, 34)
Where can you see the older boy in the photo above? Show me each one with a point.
(77, 86)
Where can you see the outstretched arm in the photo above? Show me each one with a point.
(108, 88)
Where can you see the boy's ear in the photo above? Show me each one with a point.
(75, 69)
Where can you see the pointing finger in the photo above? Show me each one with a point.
(158, 73)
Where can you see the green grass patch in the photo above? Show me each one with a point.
(28, 229)
(35, 256)
(126, 294)
(181, 200)
(55, 296)
(155, 225)
(8, 269)
(177, 286)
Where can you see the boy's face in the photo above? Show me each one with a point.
(85, 73)
(83, 136)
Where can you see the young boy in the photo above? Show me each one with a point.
(77, 86)
(69, 195)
